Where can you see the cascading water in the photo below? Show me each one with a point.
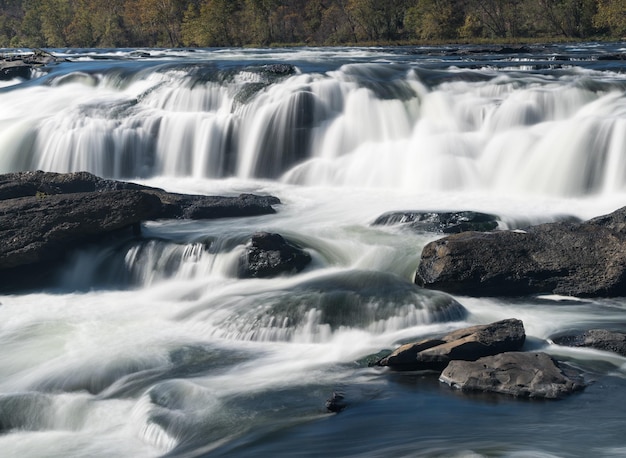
(153, 345)
(369, 124)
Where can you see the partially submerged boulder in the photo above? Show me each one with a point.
(527, 375)
(269, 255)
(43, 215)
(448, 222)
(599, 339)
(575, 259)
(173, 205)
(466, 344)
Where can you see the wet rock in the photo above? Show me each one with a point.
(436, 221)
(574, 259)
(336, 403)
(600, 339)
(527, 375)
(41, 229)
(466, 344)
(44, 216)
(20, 65)
(269, 255)
(173, 205)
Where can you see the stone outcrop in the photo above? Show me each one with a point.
(576, 259)
(43, 216)
(527, 375)
(600, 339)
(437, 221)
(269, 255)
(466, 344)
(20, 65)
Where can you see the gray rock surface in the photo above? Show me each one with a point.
(600, 339)
(527, 375)
(576, 259)
(43, 216)
(466, 344)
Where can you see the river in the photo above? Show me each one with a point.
(155, 348)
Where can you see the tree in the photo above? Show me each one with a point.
(435, 19)
(611, 17)
(155, 22)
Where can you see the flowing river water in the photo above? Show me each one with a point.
(154, 348)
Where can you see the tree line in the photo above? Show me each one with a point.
(207, 23)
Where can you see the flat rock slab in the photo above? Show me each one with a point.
(526, 375)
(466, 344)
(599, 339)
(576, 259)
(44, 215)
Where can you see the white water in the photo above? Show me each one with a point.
(146, 347)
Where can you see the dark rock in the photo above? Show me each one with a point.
(575, 259)
(269, 255)
(600, 339)
(436, 221)
(618, 56)
(40, 229)
(173, 205)
(43, 216)
(336, 403)
(527, 375)
(20, 65)
(466, 344)
(211, 207)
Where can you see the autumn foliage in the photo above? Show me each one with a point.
(173, 23)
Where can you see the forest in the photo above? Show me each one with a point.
(211, 23)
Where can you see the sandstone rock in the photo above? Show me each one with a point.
(268, 255)
(466, 344)
(576, 259)
(528, 375)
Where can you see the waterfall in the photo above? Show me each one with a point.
(373, 125)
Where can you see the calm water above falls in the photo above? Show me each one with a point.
(155, 348)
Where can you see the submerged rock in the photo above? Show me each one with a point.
(436, 221)
(600, 339)
(466, 344)
(336, 403)
(269, 255)
(575, 259)
(527, 375)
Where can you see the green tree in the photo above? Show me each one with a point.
(611, 17)
(378, 20)
(435, 19)
(55, 17)
(215, 24)
(155, 22)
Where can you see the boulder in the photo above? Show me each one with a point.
(568, 258)
(269, 255)
(527, 375)
(173, 205)
(466, 344)
(600, 339)
(41, 229)
(43, 216)
(436, 221)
